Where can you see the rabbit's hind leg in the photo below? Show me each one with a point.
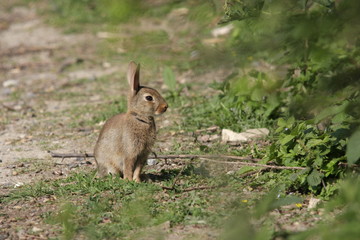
(137, 172)
(129, 165)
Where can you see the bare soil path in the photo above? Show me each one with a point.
(34, 86)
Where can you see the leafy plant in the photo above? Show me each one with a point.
(244, 102)
(174, 87)
(300, 143)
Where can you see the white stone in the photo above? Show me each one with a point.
(10, 83)
(313, 203)
(221, 31)
(151, 162)
(228, 135)
(36, 229)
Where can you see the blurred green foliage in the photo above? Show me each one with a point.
(95, 11)
(345, 224)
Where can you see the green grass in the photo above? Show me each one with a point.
(110, 207)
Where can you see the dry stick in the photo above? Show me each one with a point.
(23, 50)
(191, 189)
(199, 188)
(254, 164)
(210, 129)
(203, 157)
(72, 155)
(249, 173)
(175, 179)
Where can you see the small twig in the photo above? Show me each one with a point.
(24, 50)
(203, 157)
(254, 164)
(249, 173)
(209, 129)
(190, 189)
(208, 156)
(71, 155)
(348, 165)
(83, 155)
(177, 176)
(199, 188)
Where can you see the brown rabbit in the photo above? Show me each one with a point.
(126, 139)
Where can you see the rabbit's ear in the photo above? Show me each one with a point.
(133, 76)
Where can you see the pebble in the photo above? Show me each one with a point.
(151, 162)
(228, 135)
(36, 229)
(10, 83)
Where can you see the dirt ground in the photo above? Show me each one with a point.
(33, 57)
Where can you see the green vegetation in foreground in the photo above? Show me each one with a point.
(110, 207)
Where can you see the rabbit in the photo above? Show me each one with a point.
(126, 139)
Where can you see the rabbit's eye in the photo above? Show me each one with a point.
(149, 98)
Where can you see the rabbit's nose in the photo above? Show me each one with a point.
(165, 107)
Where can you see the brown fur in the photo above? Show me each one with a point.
(126, 139)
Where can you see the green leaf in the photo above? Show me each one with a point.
(331, 111)
(286, 139)
(314, 142)
(314, 178)
(353, 148)
(281, 122)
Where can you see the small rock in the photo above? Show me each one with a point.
(228, 135)
(10, 83)
(106, 64)
(313, 203)
(220, 31)
(15, 173)
(36, 229)
(151, 162)
(18, 184)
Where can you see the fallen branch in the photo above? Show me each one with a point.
(209, 129)
(255, 164)
(190, 189)
(199, 188)
(26, 50)
(202, 157)
(180, 156)
(72, 155)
